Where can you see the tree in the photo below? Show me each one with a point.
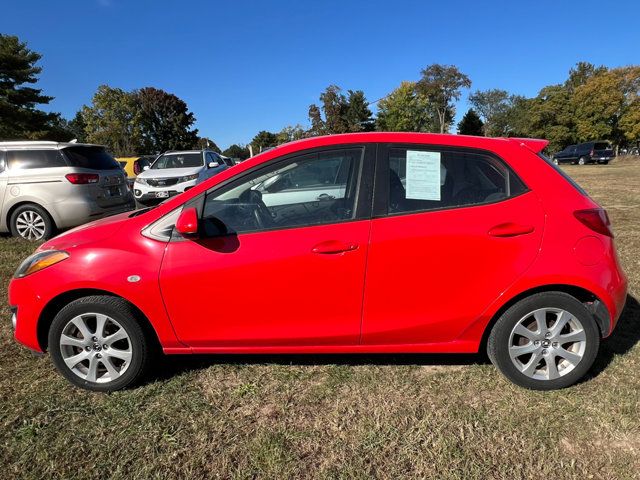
(290, 133)
(442, 85)
(342, 113)
(606, 105)
(236, 151)
(164, 121)
(490, 104)
(358, 115)
(317, 124)
(112, 120)
(204, 142)
(262, 140)
(405, 110)
(77, 127)
(19, 117)
(471, 124)
(581, 73)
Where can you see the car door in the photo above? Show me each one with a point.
(293, 277)
(452, 229)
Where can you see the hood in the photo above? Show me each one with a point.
(87, 233)
(170, 172)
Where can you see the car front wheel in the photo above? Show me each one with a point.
(97, 343)
(544, 342)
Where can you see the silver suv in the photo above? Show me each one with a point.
(45, 186)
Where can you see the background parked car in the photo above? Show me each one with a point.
(174, 172)
(134, 166)
(583, 153)
(45, 186)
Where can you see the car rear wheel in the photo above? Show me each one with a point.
(582, 161)
(31, 222)
(544, 342)
(97, 343)
(555, 160)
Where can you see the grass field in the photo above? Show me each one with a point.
(338, 416)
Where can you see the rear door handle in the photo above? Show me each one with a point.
(510, 229)
(334, 246)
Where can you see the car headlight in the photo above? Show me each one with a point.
(141, 180)
(40, 260)
(188, 178)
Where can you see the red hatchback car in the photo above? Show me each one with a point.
(378, 242)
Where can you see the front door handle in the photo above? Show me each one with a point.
(333, 247)
(510, 229)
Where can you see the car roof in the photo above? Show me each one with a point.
(534, 144)
(44, 144)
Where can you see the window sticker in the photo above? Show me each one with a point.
(423, 175)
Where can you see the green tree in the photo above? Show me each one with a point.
(204, 142)
(262, 140)
(112, 120)
(342, 114)
(236, 151)
(163, 120)
(490, 105)
(405, 110)
(19, 117)
(606, 105)
(471, 124)
(358, 115)
(290, 133)
(77, 127)
(442, 85)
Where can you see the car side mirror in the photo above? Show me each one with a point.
(187, 224)
(213, 164)
(145, 168)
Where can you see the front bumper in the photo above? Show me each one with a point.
(147, 194)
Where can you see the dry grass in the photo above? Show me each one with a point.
(335, 417)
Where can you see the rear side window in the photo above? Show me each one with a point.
(28, 159)
(421, 180)
(601, 146)
(95, 158)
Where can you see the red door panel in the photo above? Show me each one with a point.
(429, 275)
(268, 288)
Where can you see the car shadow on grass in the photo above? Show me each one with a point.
(625, 336)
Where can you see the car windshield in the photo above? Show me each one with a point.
(95, 158)
(178, 160)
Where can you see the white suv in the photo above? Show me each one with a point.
(175, 172)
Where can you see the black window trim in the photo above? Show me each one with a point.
(381, 185)
(364, 186)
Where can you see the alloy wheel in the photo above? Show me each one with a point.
(95, 347)
(30, 225)
(547, 343)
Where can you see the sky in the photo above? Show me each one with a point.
(244, 66)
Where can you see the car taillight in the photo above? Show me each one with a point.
(82, 178)
(596, 219)
(136, 167)
(591, 152)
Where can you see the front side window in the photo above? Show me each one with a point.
(28, 159)
(311, 189)
(422, 180)
(178, 160)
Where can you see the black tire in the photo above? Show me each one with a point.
(582, 161)
(38, 212)
(555, 161)
(500, 338)
(120, 311)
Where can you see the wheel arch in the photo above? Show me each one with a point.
(21, 203)
(57, 303)
(593, 303)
